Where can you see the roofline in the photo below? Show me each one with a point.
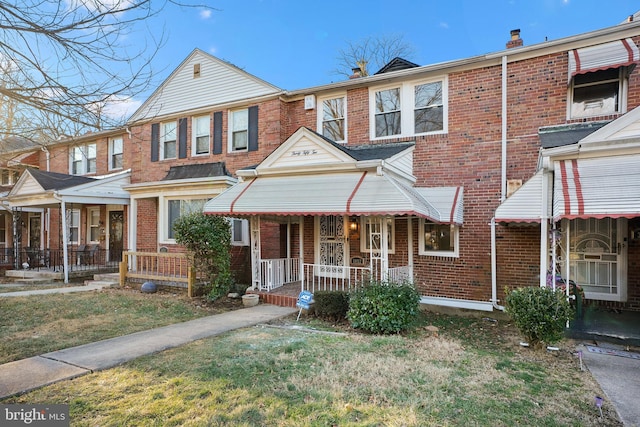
(172, 182)
(616, 32)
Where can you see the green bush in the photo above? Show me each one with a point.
(384, 308)
(331, 304)
(541, 314)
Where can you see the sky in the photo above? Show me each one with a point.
(294, 44)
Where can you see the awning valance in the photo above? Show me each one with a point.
(526, 204)
(361, 193)
(597, 187)
(615, 54)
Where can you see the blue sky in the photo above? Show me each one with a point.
(293, 44)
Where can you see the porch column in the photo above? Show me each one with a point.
(65, 241)
(301, 250)
(254, 223)
(384, 249)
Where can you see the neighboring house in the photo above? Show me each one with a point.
(367, 177)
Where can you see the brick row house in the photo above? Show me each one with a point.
(466, 177)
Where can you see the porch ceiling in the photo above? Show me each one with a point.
(359, 193)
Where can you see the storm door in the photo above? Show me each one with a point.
(331, 254)
(116, 225)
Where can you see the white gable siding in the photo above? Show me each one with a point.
(305, 152)
(631, 131)
(218, 83)
(403, 162)
(28, 186)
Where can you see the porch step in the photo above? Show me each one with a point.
(33, 281)
(275, 299)
(110, 277)
(104, 283)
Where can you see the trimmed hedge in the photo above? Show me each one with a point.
(384, 308)
(331, 304)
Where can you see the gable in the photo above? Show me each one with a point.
(218, 82)
(623, 129)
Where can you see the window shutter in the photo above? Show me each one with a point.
(182, 138)
(217, 132)
(155, 142)
(253, 128)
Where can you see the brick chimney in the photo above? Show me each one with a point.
(357, 73)
(515, 41)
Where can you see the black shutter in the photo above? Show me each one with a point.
(253, 128)
(155, 142)
(217, 132)
(182, 138)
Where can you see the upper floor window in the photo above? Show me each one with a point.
(438, 239)
(408, 109)
(597, 93)
(168, 138)
(332, 119)
(200, 129)
(83, 159)
(239, 130)
(115, 153)
(9, 177)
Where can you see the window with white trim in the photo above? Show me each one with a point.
(175, 208)
(116, 146)
(332, 118)
(408, 109)
(200, 129)
(93, 225)
(239, 231)
(239, 130)
(73, 221)
(82, 159)
(365, 239)
(9, 177)
(438, 239)
(597, 93)
(168, 139)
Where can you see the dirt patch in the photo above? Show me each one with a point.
(214, 307)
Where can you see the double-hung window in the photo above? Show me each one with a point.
(408, 109)
(82, 159)
(73, 222)
(332, 120)
(201, 135)
(438, 239)
(168, 138)
(115, 153)
(239, 126)
(93, 229)
(597, 93)
(179, 207)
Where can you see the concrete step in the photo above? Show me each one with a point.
(111, 277)
(107, 283)
(33, 281)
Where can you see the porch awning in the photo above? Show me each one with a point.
(362, 193)
(525, 205)
(615, 54)
(597, 187)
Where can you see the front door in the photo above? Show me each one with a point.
(598, 257)
(331, 254)
(34, 231)
(116, 226)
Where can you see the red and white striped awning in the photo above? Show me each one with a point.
(597, 187)
(361, 193)
(615, 54)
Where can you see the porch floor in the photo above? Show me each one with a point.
(605, 324)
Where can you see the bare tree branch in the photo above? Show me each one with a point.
(371, 54)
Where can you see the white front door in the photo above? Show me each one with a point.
(598, 256)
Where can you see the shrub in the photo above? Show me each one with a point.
(540, 314)
(383, 308)
(331, 304)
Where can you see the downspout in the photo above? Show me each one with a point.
(503, 189)
(48, 212)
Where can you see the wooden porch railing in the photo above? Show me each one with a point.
(158, 266)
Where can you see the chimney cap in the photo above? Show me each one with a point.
(515, 34)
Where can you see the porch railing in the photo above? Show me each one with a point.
(317, 277)
(399, 274)
(163, 267)
(79, 258)
(274, 273)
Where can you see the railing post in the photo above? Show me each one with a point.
(191, 280)
(123, 270)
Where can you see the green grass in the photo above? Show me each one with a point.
(35, 325)
(472, 373)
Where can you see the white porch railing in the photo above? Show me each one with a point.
(399, 274)
(318, 277)
(276, 272)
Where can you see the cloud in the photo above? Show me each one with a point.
(205, 13)
(444, 25)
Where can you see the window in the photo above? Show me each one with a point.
(409, 109)
(168, 137)
(239, 232)
(177, 208)
(93, 215)
(115, 153)
(597, 93)
(367, 226)
(332, 119)
(83, 159)
(239, 125)
(200, 130)
(438, 239)
(3, 229)
(73, 221)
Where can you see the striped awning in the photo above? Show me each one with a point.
(526, 204)
(597, 187)
(615, 54)
(361, 193)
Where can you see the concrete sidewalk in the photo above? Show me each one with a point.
(28, 374)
